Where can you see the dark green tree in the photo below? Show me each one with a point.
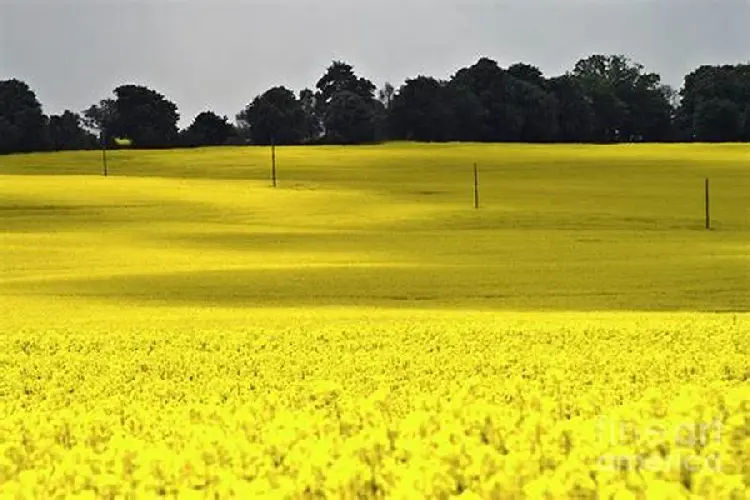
(145, 117)
(628, 104)
(340, 78)
(100, 119)
(380, 120)
(466, 111)
(65, 132)
(502, 118)
(275, 117)
(575, 116)
(715, 104)
(421, 111)
(208, 129)
(528, 73)
(313, 126)
(350, 119)
(538, 110)
(598, 75)
(718, 120)
(743, 102)
(386, 96)
(23, 126)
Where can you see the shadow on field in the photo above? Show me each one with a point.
(28, 215)
(417, 286)
(327, 244)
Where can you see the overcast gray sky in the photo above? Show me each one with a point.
(218, 54)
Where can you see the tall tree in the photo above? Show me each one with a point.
(715, 103)
(628, 103)
(340, 78)
(530, 91)
(386, 96)
(743, 102)
(379, 120)
(100, 118)
(66, 133)
(718, 120)
(597, 74)
(528, 73)
(575, 115)
(421, 111)
(23, 125)
(502, 118)
(276, 116)
(467, 113)
(539, 111)
(208, 129)
(145, 117)
(313, 126)
(350, 119)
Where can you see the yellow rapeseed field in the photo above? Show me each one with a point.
(181, 329)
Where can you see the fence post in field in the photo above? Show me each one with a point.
(708, 204)
(476, 187)
(104, 154)
(273, 163)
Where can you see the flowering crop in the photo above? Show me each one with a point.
(398, 406)
(181, 329)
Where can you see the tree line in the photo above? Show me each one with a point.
(603, 99)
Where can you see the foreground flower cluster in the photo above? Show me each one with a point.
(427, 406)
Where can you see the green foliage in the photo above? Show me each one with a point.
(421, 111)
(144, 116)
(275, 117)
(22, 123)
(717, 119)
(603, 99)
(575, 122)
(627, 103)
(65, 132)
(347, 106)
(207, 129)
(100, 118)
(715, 104)
(137, 113)
(313, 128)
(340, 77)
(350, 119)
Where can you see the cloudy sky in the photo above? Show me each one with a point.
(218, 54)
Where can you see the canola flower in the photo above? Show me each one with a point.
(412, 407)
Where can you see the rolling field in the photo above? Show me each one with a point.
(181, 328)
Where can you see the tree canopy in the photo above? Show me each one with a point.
(145, 117)
(207, 129)
(602, 99)
(275, 117)
(65, 132)
(346, 106)
(22, 123)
